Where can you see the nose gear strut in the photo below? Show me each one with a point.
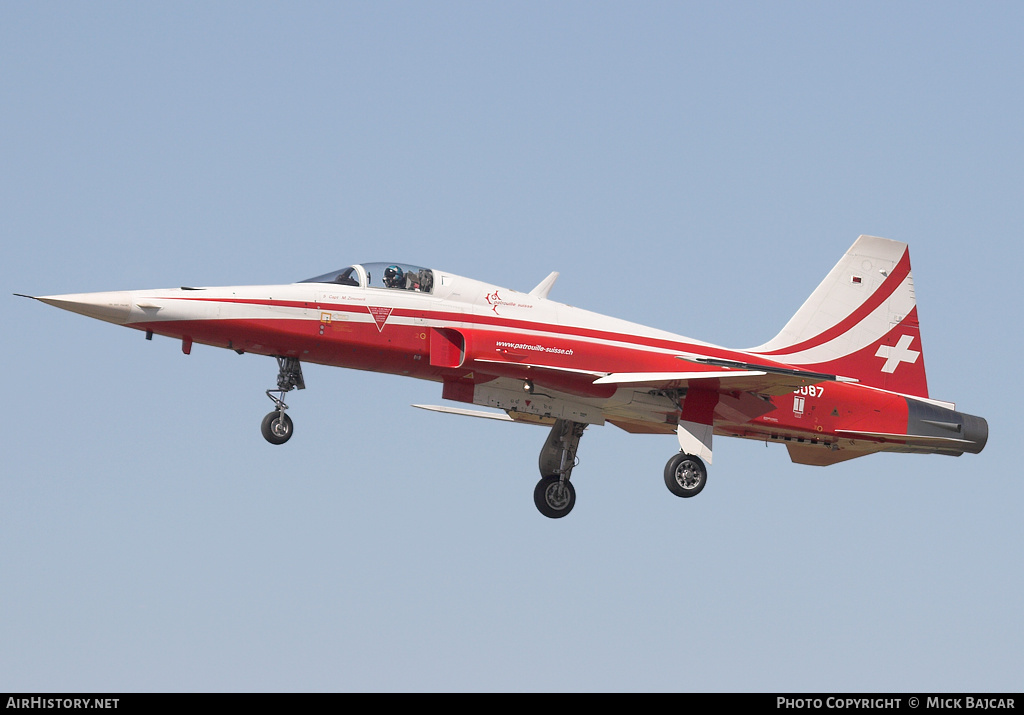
(277, 426)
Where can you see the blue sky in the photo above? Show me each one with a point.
(697, 167)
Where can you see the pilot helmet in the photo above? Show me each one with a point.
(392, 275)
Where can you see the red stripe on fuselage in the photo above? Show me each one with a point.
(441, 318)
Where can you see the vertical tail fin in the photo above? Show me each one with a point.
(860, 322)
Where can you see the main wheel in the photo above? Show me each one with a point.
(553, 497)
(685, 475)
(277, 427)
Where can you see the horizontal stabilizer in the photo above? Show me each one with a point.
(821, 456)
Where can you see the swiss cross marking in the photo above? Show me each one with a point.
(895, 354)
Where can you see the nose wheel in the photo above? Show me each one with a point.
(277, 427)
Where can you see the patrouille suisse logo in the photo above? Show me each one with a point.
(380, 315)
(495, 301)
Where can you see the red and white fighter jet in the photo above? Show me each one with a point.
(844, 378)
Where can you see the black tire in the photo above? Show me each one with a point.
(554, 501)
(277, 428)
(685, 475)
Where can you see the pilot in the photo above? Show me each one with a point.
(393, 277)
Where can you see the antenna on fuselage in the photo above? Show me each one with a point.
(544, 287)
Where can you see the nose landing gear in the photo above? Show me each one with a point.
(277, 427)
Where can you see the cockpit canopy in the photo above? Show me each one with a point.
(396, 276)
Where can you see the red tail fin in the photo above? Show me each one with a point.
(860, 322)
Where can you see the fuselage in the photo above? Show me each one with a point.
(486, 343)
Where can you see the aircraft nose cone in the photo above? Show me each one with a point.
(112, 307)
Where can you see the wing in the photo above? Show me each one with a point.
(724, 392)
(692, 402)
(507, 416)
(724, 375)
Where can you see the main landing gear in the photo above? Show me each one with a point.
(685, 475)
(277, 426)
(554, 495)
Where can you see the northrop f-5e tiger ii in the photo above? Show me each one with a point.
(844, 378)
